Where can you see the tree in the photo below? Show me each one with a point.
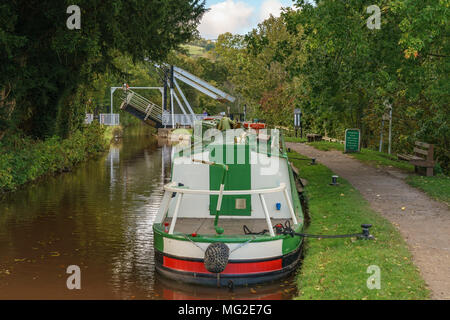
(260, 65)
(43, 64)
(351, 70)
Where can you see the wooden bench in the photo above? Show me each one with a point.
(422, 157)
(314, 137)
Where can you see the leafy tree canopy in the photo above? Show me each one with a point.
(43, 63)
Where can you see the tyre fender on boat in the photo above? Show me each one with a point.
(216, 257)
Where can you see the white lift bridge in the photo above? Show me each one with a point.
(164, 115)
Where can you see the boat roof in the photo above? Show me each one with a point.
(265, 141)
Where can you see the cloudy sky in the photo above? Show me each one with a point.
(237, 16)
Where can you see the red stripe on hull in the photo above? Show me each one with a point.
(232, 268)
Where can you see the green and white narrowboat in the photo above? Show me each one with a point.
(217, 222)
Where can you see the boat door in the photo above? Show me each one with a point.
(238, 177)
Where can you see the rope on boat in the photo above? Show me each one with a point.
(238, 247)
(195, 244)
(247, 231)
(243, 244)
(286, 229)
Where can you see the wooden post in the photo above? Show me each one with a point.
(431, 159)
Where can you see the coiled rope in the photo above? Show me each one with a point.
(286, 229)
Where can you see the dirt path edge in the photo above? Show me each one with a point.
(423, 222)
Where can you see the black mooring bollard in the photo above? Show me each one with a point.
(334, 181)
(366, 232)
(313, 161)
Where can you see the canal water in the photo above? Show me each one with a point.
(99, 217)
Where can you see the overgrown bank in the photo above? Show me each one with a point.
(23, 159)
(337, 268)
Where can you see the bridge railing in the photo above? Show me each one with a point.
(109, 119)
(143, 105)
(181, 119)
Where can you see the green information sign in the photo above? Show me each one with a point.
(352, 140)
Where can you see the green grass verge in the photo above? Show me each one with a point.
(438, 187)
(327, 146)
(368, 156)
(337, 268)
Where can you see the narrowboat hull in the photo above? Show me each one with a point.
(219, 219)
(238, 272)
(253, 259)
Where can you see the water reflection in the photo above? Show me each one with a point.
(100, 218)
(171, 290)
(112, 160)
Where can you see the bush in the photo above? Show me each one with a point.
(23, 159)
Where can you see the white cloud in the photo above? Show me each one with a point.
(228, 16)
(269, 7)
